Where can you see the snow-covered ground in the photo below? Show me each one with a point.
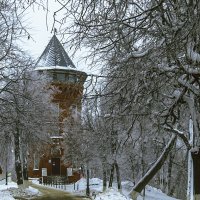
(96, 187)
(151, 194)
(5, 195)
(4, 192)
(155, 194)
(7, 192)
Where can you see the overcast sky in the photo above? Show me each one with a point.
(41, 34)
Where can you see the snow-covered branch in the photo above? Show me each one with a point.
(141, 53)
(154, 169)
(192, 55)
(191, 70)
(164, 68)
(181, 135)
(185, 83)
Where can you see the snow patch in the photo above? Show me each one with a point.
(4, 192)
(5, 195)
(24, 193)
(111, 193)
(3, 186)
(32, 191)
(152, 193)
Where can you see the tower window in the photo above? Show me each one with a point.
(72, 78)
(61, 77)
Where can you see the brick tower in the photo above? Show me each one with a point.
(67, 82)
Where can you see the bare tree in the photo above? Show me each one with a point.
(151, 54)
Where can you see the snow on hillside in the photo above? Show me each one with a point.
(151, 193)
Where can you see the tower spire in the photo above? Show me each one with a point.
(55, 55)
(55, 31)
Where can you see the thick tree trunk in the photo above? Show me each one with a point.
(194, 187)
(154, 169)
(18, 166)
(111, 175)
(119, 185)
(196, 174)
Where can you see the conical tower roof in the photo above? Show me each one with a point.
(54, 56)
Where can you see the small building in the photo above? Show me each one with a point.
(68, 82)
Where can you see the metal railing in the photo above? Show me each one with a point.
(55, 181)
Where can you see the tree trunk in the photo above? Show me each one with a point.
(25, 164)
(104, 166)
(111, 175)
(88, 182)
(83, 170)
(154, 169)
(119, 185)
(196, 174)
(18, 166)
(104, 180)
(177, 181)
(25, 171)
(169, 173)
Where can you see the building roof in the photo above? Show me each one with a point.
(54, 55)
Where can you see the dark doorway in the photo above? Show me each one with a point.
(55, 166)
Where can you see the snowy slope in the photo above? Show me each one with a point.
(152, 193)
(96, 188)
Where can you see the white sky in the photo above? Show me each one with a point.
(36, 22)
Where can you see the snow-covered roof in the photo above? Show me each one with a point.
(55, 137)
(53, 56)
(54, 67)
